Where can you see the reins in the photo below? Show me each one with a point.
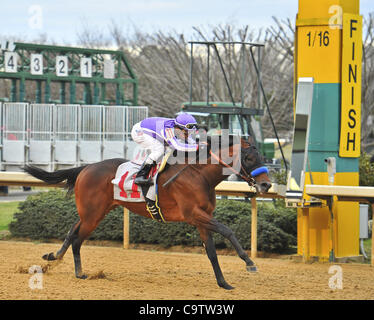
(248, 178)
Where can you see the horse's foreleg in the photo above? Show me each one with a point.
(210, 249)
(229, 234)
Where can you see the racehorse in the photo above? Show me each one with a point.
(189, 198)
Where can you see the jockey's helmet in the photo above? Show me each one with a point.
(186, 121)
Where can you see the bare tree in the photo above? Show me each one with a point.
(162, 63)
(367, 112)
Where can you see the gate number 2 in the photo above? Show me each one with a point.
(62, 66)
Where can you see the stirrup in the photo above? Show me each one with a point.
(141, 177)
(143, 181)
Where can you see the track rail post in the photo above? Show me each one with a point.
(126, 229)
(254, 228)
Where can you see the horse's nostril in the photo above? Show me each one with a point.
(266, 185)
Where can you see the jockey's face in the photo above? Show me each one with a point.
(180, 133)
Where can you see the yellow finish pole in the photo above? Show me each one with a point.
(328, 45)
(254, 228)
(126, 228)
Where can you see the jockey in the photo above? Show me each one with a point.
(153, 133)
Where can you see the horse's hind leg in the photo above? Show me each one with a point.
(90, 219)
(80, 234)
(76, 246)
(77, 234)
(67, 242)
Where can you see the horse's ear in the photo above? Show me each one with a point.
(247, 142)
(251, 141)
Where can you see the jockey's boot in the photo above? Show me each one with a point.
(141, 177)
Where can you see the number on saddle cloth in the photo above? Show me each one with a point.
(124, 187)
(126, 190)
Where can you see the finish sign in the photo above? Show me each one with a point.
(350, 122)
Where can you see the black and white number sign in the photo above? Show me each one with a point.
(86, 67)
(10, 61)
(62, 66)
(36, 64)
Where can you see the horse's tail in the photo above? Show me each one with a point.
(70, 175)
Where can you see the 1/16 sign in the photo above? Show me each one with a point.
(317, 50)
(320, 38)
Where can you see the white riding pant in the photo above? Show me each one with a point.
(148, 142)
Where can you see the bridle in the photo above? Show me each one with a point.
(247, 177)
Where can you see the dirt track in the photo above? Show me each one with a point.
(115, 273)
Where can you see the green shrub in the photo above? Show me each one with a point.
(45, 215)
(51, 215)
(366, 169)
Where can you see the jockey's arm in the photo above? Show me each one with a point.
(178, 145)
(171, 139)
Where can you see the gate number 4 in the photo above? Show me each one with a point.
(10, 61)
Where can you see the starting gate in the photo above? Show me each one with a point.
(65, 135)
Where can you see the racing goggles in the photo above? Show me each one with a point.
(188, 126)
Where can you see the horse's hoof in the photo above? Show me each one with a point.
(252, 269)
(49, 256)
(226, 286)
(83, 276)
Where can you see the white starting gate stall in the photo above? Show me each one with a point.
(114, 138)
(91, 134)
(133, 115)
(40, 124)
(66, 135)
(14, 134)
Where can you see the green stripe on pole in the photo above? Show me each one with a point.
(325, 130)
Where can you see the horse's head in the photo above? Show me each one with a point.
(252, 167)
(239, 157)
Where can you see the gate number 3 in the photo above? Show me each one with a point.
(36, 64)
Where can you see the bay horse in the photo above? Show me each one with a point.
(190, 198)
